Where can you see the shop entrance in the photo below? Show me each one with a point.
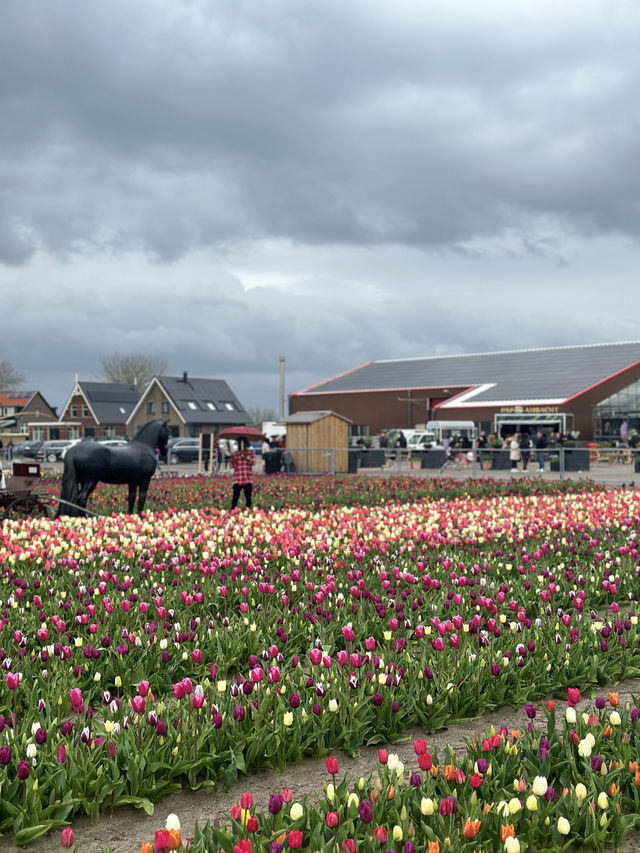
(506, 424)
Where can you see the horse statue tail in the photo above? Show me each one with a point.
(69, 491)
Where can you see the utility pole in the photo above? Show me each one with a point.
(281, 387)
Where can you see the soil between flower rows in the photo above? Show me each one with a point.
(125, 829)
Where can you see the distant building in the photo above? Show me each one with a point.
(18, 408)
(192, 406)
(593, 390)
(98, 408)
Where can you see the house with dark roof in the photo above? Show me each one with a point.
(191, 405)
(593, 390)
(99, 408)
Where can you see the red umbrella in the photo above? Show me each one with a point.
(241, 432)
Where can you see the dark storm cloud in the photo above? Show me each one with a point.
(165, 128)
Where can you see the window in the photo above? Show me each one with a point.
(74, 411)
(151, 408)
(210, 405)
(192, 404)
(85, 411)
(230, 407)
(89, 432)
(164, 407)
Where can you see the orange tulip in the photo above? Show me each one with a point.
(507, 831)
(614, 699)
(146, 847)
(449, 772)
(636, 779)
(614, 789)
(392, 792)
(633, 767)
(434, 770)
(433, 846)
(470, 828)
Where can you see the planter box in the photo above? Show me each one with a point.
(636, 466)
(554, 463)
(432, 459)
(353, 461)
(371, 458)
(501, 461)
(576, 459)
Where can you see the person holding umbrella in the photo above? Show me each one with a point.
(242, 462)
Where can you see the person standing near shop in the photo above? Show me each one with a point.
(242, 462)
(514, 452)
(541, 444)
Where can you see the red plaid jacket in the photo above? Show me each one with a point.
(242, 462)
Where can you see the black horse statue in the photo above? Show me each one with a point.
(90, 462)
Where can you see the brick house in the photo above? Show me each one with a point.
(100, 408)
(20, 409)
(191, 406)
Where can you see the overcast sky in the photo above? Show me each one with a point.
(333, 181)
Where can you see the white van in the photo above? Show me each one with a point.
(422, 439)
(449, 429)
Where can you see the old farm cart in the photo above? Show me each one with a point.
(17, 497)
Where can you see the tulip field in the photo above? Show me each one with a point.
(192, 646)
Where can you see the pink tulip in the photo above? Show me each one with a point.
(12, 679)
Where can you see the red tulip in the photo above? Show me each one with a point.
(332, 765)
(294, 839)
(573, 695)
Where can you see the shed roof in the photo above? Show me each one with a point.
(312, 417)
(546, 375)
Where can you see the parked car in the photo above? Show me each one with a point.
(108, 442)
(183, 450)
(27, 448)
(51, 451)
(72, 441)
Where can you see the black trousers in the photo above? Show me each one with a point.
(247, 488)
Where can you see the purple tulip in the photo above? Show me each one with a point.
(22, 771)
(366, 812)
(5, 755)
(275, 803)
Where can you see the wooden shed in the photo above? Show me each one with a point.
(318, 442)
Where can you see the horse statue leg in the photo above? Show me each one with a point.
(85, 492)
(142, 494)
(70, 489)
(131, 499)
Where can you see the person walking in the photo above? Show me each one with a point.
(525, 450)
(541, 444)
(514, 453)
(242, 462)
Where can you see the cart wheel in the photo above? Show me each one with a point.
(30, 507)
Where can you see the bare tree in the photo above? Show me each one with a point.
(257, 416)
(10, 378)
(132, 368)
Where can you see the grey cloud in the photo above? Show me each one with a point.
(205, 124)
